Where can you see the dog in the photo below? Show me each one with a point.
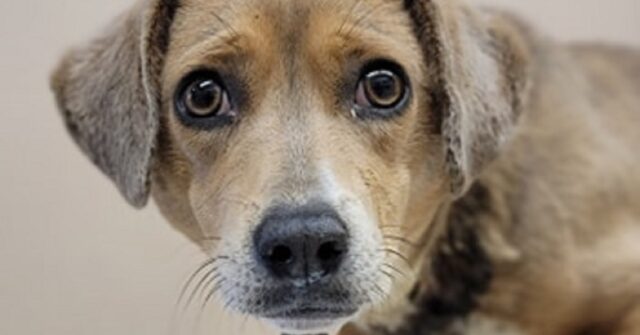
(372, 167)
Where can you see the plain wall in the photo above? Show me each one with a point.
(74, 258)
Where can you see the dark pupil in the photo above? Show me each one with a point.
(383, 89)
(204, 96)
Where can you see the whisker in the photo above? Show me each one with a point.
(400, 239)
(216, 287)
(213, 287)
(193, 276)
(388, 274)
(208, 298)
(187, 284)
(395, 270)
(397, 254)
(208, 278)
(381, 293)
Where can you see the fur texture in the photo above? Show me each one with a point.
(503, 200)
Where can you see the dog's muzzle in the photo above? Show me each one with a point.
(301, 251)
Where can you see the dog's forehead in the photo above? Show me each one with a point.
(276, 34)
(287, 12)
(285, 23)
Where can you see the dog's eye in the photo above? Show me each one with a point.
(382, 90)
(205, 97)
(203, 101)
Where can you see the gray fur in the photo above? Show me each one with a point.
(478, 88)
(107, 93)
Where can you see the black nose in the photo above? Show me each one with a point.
(301, 245)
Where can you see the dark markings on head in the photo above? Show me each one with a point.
(425, 29)
(461, 271)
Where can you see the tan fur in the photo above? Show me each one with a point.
(550, 130)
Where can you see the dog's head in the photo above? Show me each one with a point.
(305, 145)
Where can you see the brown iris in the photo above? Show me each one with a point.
(380, 89)
(205, 98)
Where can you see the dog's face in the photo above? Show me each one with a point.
(305, 145)
(299, 133)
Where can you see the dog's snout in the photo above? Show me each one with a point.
(302, 246)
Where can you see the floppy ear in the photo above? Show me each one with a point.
(479, 67)
(108, 93)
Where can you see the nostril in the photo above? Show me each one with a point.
(280, 254)
(308, 243)
(330, 251)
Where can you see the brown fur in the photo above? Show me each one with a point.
(512, 178)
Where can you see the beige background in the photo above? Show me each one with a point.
(74, 258)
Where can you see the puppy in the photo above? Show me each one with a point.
(376, 166)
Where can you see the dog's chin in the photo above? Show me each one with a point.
(302, 326)
(310, 321)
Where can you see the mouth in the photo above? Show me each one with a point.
(310, 319)
(312, 313)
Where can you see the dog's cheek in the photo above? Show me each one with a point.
(171, 179)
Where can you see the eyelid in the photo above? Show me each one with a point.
(382, 64)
